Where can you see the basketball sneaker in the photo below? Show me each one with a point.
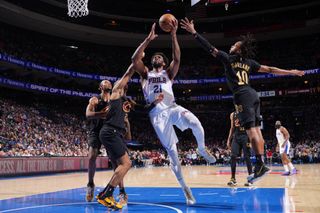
(232, 182)
(294, 171)
(123, 199)
(189, 197)
(109, 202)
(207, 155)
(90, 193)
(285, 173)
(248, 183)
(259, 172)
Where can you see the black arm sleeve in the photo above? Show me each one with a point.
(205, 44)
(255, 66)
(223, 57)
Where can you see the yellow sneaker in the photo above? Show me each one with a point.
(110, 203)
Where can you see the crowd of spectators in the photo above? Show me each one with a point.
(28, 131)
(42, 130)
(39, 130)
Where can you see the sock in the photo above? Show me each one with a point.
(233, 167)
(286, 168)
(90, 184)
(291, 166)
(259, 160)
(249, 165)
(122, 191)
(175, 165)
(107, 192)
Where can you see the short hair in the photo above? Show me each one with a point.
(165, 59)
(248, 46)
(278, 123)
(101, 83)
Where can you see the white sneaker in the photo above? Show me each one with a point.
(90, 193)
(189, 197)
(207, 155)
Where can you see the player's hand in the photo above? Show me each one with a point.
(298, 72)
(152, 35)
(104, 112)
(132, 103)
(174, 26)
(159, 98)
(188, 25)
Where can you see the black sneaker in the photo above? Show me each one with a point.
(232, 182)
(248, 183)
(259, 172)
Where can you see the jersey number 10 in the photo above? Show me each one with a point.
(242, 77)
(157, 89)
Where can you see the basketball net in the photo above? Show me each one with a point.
(78, 8)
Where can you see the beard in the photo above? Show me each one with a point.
(156, 65)
(107, 90)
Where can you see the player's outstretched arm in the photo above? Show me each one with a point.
(139, 53)
(205, 44)
(176, 53)
(117, 90)
(147, 108)
(278, 71)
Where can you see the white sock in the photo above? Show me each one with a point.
(175, 165)
(291, 166)
(286, 168)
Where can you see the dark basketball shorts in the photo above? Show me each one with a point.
(113, 141)
(247, 104)
(240, 142)
(94, 141)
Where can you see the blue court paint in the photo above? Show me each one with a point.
(155, 200)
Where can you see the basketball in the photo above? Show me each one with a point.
(165, 21)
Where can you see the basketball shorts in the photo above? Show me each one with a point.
(240, 142)
(94, 141)
(163, 123)
(113, 141)
(285, 149)
(247, 104)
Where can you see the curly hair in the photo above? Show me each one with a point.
(248, 46)
(165, 59)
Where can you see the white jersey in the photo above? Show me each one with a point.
(280, 137)
(156, 83)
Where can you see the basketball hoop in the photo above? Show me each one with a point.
(78, 8)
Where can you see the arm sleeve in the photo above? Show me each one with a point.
(255, 66)
(205, 44)
(222, 56)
